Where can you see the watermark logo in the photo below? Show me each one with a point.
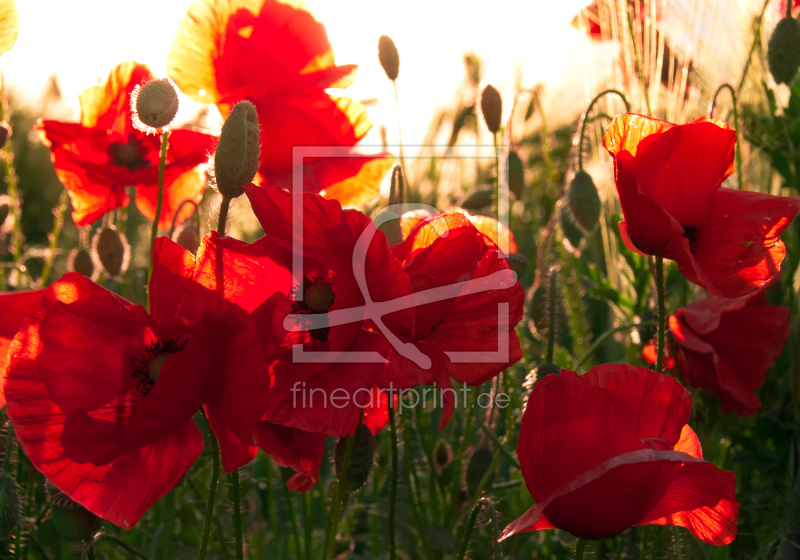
(376, 311)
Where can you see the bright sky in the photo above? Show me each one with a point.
(522, 42)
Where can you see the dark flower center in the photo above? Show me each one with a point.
(689, 232)
(129, 154)
(147, 366)
(318, 297)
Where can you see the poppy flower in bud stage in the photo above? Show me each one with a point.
(97, 158)
(102, 394)
(441, 251)
(668, 179)
(728, 345)
(612, 449)
(14, 308)
(277, 56)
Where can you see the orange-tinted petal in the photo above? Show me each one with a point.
(107, 105)
(9, 25)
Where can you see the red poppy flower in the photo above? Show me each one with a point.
(500, 235)
(668, 179)
(728, 345)
(102, 395)
(277, 56)
(469, 322)
(612, 449)
(301, 389)
(14, 308)
(99, 157)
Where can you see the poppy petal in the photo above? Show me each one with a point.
(297, 449)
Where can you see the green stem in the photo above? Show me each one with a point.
(496, 181)
(393, 487)
(408, 467)
(605, 335)
(586, 119)
(678, 549)
(661, 312)
(7, 450)
(119, 542)
(735, 125)
(551, 301)
(498, 549)
(58, 223)
(756, 41)
(639, 64)
(122, 226)
(224, 206)
(308, 525)
(162, 166)
(212, 489)
(169, 524)
(290, 506)
(337, 498)
(581, 543)
(546, 151)
(462, 551)
(178, 211)
(237, 514)
(497, 442)
(571, 289)
(399, 133)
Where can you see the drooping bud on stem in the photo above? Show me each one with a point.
(388, 57)
(110, 251)
(360, 458)
(583, 202)
(492, 108)
(81, 261)
(154, 106)
(72, 521)
(783, 52)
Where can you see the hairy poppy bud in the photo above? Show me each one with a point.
(783, 53)
(80, 261)
(5, 133)
(186, 236)
(583, 202)
(546, 369)
(360, 458)
(110, 251)
(477, 199)
(72, 521)
(9, 505)
(388, 57)
(238, 151)
(442, 455)
(477, 468)
(492, 108)
(154, 105)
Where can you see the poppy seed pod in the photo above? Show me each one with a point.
(72, 521)
(154, 105)
(570, 229)
(110, 251)
(492, 108)
(360, 458)
(545, 369)
(783, 53)
(388, 57)
(80, 261)
(516, 174)
(9, 505)
(186, 236)
(477, 468)
(583, 201)
(237, 156)
(443, 456)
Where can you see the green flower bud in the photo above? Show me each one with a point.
(154, 106)
(388, 57)
(477, 468)
(80, 261)
(516, 174)
(9, 505)
(477, 199)
(783, 52)
(360, 458)
(72, 521)
(492, 108)
(519, 263)
(571, 231)
(238, 151)
(546, 369)
(110, 251)
(442, 455)
(583, 202)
